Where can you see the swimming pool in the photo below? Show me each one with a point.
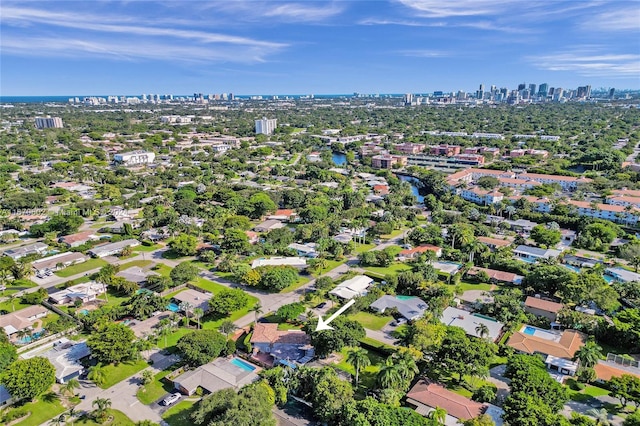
(83, 312)
(529, 330)
(571, 267)
(28, 339)
(173, 307)
(244, 365)
(404, 297)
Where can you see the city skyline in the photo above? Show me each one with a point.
(336, 47)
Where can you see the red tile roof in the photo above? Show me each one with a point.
(566, 347)
(420, 249)
(543, 305)
(435, 395)
(269, 333)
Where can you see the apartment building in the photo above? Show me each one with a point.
(387, 161)
(445, 150)
(134, 158)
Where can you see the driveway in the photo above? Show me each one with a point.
(496, 376)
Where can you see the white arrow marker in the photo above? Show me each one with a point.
(324, 325)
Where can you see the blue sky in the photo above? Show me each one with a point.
(281, 47)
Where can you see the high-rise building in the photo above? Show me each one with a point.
(612, 92)
(532, 89)
(521, 86)
(584, 92)
(266, 126)
(480, 92)
(543, 90)
(49, 123)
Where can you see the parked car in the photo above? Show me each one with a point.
(174, 397)
(322, 305)
(399, 321)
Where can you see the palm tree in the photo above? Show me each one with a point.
(12, 299)
(197, 314)
(589, 354)
(71, 386)
(438, 415)
(72, 414)
(186, 307)
(510, 210)
(601, 416)
(164, 329)
(58, 421)
(257, 309)
(358, 358)
(482, 330)
(102, 405)
(97, 374)
(227, 327)
(389, 375)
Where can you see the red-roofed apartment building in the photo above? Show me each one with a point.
(425, 396)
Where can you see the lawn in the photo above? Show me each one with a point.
(155, 390)
(208, 285)
(139, 263)
(213, 325)
(331, 265)
(301, 281)
(162, 269)
(465, 285)
(392, 269)
(119, 419)
(16, 306)
(178, 415)
(367, 375)
(586, 394)
(41, 411)
(112, 299)
(172, 255)
(173, 338)
(115, 374)
(393, 234)
(371, 321)
(79, 268)
(361, 248)
(142, 247)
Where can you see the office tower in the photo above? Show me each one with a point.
(265, 126)
(462, 95)
(584, 92)
(551, 91)
(543, 90)
(480, 92)
(49, 122)
(521, 86)
(493, 88)
(504, 92)
(612, 92)
(532, 89)
(408, 99)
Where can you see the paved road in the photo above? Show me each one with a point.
(123, 394)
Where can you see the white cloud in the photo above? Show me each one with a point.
(453, 8)
(303, 12)
(425, 53)
(590, 61)
(625, 19)
(255, 10)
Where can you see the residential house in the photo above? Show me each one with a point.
(356, 286)
(521, 225)
(284, 215)
(296, 262)
(470, 323)
(494, 243)
(254, 237)
(65, 356)
(542, 308)
(30, 249)
(606, 370)
(304, 250)
(111, 249)
(410, 307)
(426, 396)
(268, 225)
(558, 347)
(286, 345)
(531, 254)
(621, 274)
(24, 319)
(78, 239)
(136, 274)
(415, 252)
(194, 299)
(216, 375)
(57, 261)
(85, 292)
(496, 276)
(448, 268)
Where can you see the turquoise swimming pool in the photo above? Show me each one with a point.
(244, 365)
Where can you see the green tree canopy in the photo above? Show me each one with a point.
(201, 346)
(112, 343)
(29, 378)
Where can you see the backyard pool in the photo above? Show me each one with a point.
(244, 365)
(28, 339)
(83, 311)
(529, 330)
(573, 268)
(173, 307)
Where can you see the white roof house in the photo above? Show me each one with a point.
(410, 307)
(65, 356)
(356, 286)
(296, 262)
(306, 250)
(532, 253)
(622, 275)
(112, 248)
(85, 292)
(469, 322)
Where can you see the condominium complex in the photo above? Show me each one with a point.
(134, 158)
(266, 126)
(49, 123)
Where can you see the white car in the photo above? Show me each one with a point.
(171, 399)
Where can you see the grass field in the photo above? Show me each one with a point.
(361, 248)
(119, 419)
(41, 411)
(173, 338)
(393, 234)
(162, 269)
(155, 390)
(208, 285)
(370, 321)
(465, 285)
(367, 379)
(331, 265)
(301, 281)
(81, 267)
(8, 306)
(144, 248)
(115, 374)
(139, 263)
(392, 269)
(178, 415)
